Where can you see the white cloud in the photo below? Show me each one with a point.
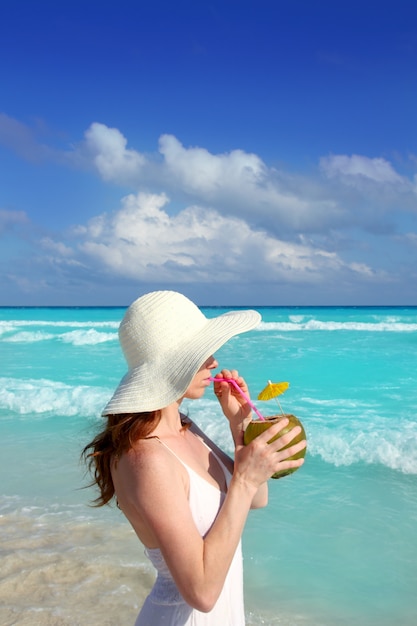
(352, 190)
(373, 194)
(141, 241)
(56, 247)
(237, 183)
(202, 172)
(108, 151)
(233, 219)
(377, 170)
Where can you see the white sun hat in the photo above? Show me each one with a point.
(165, 339)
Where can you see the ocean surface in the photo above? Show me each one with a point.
(337, 544)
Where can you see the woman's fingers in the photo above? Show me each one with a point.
(230, 397)
(277, 453)
(286, 453)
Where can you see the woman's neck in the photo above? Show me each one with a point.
(170, 423)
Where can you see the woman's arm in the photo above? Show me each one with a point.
(152, 493)
(239, 414)
(261, 497)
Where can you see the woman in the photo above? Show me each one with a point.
(186, 499)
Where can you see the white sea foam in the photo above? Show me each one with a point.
(296, 319)
(42, 396)
(12, 324)
(29, 337)
(315, 325)
(31, 331)
(6, 327)
(87, 337)
(295, 323)
(393, 448)
(74, 337)
(333, 402)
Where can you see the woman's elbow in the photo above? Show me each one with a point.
(205, 605)
(202, 600)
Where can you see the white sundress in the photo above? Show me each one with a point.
(165, 606)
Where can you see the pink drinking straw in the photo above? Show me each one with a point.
(242, 393)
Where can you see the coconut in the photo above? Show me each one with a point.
(256, 427)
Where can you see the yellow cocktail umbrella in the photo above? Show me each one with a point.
(272, 390)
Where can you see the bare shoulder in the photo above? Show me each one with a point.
(150, 486)
(146, 461)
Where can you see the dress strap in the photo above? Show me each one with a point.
(172, 452)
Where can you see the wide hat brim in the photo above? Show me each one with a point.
(156, 384)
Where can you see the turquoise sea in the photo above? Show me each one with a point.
(337, 544)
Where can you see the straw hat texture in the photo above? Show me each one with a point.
(165, 339)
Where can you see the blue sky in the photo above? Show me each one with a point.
(242, 152)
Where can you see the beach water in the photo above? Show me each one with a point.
(337, 543)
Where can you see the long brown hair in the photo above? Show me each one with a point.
(118, 436)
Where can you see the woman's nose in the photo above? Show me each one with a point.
(211, 363)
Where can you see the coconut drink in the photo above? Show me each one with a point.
(258, 426)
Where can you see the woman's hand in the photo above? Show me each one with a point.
(257, 461)
(234, 406)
